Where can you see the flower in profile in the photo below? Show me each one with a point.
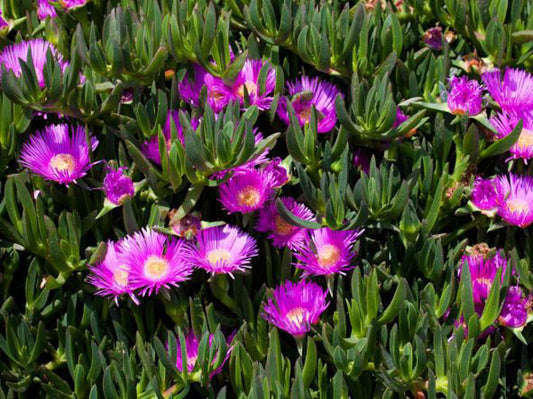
(513, 93)
(294, 307)
(306, 93)
(46, 9)
(191, 86)
(247, 191)
(56, 156)
(223, 249)
(515, 200)
(433, 38)
(277, 171)
(117, 186)
(400, 118)
(248, 79)
(514, 311)
(327, 251)
(464, 96)
(3, 22)
(279, 231)
(192, 344)
(155, 261)
(111, 276)
(11, 56)
(485, 194)
(483, 271)
(505, 122)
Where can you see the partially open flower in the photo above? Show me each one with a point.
(464, 96)
(485, 194)
(514, 311)
(46, 9)
(117, 186)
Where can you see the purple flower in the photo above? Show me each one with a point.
(280, 232)
(306, 93)
(505, 122)
(11, 56)
(56, 156)
(190, 87)
(218, 93)
(514, 311)
(515, 198)
(433, 38)
(513, 93)
(361, 160)
(46, 9)
(112, 276)
(117, 186)
(248, 78)
(327, 251)
(155, 261)
(277, 172)
(294, 307)
(247, 191)
(483, 272)
(3, 22)
(485, 194)
(400, 118)
(223, 249)
(464, 96)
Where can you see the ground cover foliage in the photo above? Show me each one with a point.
(265, 198)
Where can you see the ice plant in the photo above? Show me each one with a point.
(56, 156)
(247, 191)
(515, 200)
(294, 307)
(513, 92)
(218, 93)
(483, 271)
(327, 251)
(279, 231)
(464, 96)
(46, 9)
(3, 22)
(191, 86)
(277, 172)
(11, 56)
(223, 249)
(308, 92)
(155, 261)
(248, 79)
(485, 194)
(505, 122)
(117, 186)
(361, 160)
(514, 311)
(433, 38)
(111, 276)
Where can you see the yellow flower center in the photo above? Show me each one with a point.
(282, 227)
(517, 205)
(155, 267)
(251, 87)
(328, 255)
(63, 162)
(216, 95)
(305, 114)
(218, 255)
(525, 140)
(248, 196)
(296, 315)
(121, 277)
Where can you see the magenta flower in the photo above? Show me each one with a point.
(223, 249)
(307, 92)
(327, 251)
(483, 272)
(56, 156)
(218, 93)
(433, 38)
(485, 194)
(249, 77)
(117, 186)
(515, 198)
(504, 123)
(192, 343)
(190, 87)
(3, 22)
(278, 173)
(294, 307)
(464, 96)
(513, 93)
(361, 160)
(400, 118)
(11, 55)
(280, 232)
(155, 261)
(111, 277)
(46, 9)
(514, 311)
(247, 191)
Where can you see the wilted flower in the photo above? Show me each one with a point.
(433, 38)
(11, 56)
(327, 251)
(307, 92)
(56, 156)
(277, 172)
(515, 199)
(485, 194)
(155, 261)
(117, 186)
(294, 307)
(248, 78)
(247, 191)
(280, 232)
(514, 311)
(513, 93)
(186, 227)
(223, 249)
(46, 9)
(111, 276)
(191, 86)
(504, 123)
(464, 96)
(361, 159)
